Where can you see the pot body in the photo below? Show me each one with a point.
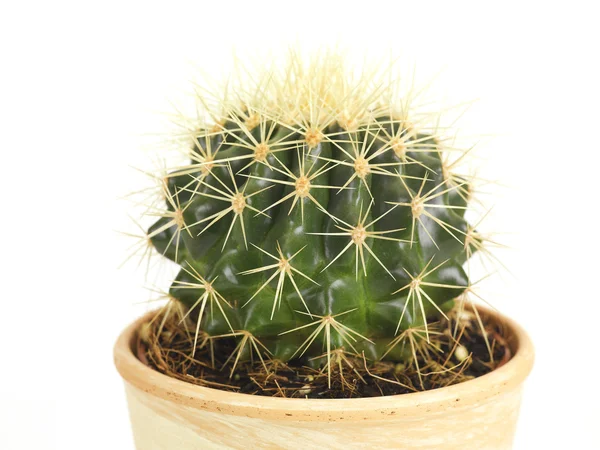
(168, 414)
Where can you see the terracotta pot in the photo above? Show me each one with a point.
(168, 414)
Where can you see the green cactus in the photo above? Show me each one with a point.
(314, 215)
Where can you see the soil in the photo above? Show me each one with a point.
(457, 353)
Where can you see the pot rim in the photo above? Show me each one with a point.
(462, 395)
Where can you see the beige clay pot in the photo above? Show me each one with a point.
(168, 414)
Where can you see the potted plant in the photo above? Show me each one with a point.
(323, 297)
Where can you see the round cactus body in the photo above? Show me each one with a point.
(315, 216)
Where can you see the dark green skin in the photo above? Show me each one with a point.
(376, 311)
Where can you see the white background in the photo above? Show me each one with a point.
(80, 83)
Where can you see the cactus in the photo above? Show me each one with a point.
(315, 213)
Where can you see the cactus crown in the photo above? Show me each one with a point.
(316, 213)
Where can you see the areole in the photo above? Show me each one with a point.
(170, 414)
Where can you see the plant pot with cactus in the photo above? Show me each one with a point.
(322, 298)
